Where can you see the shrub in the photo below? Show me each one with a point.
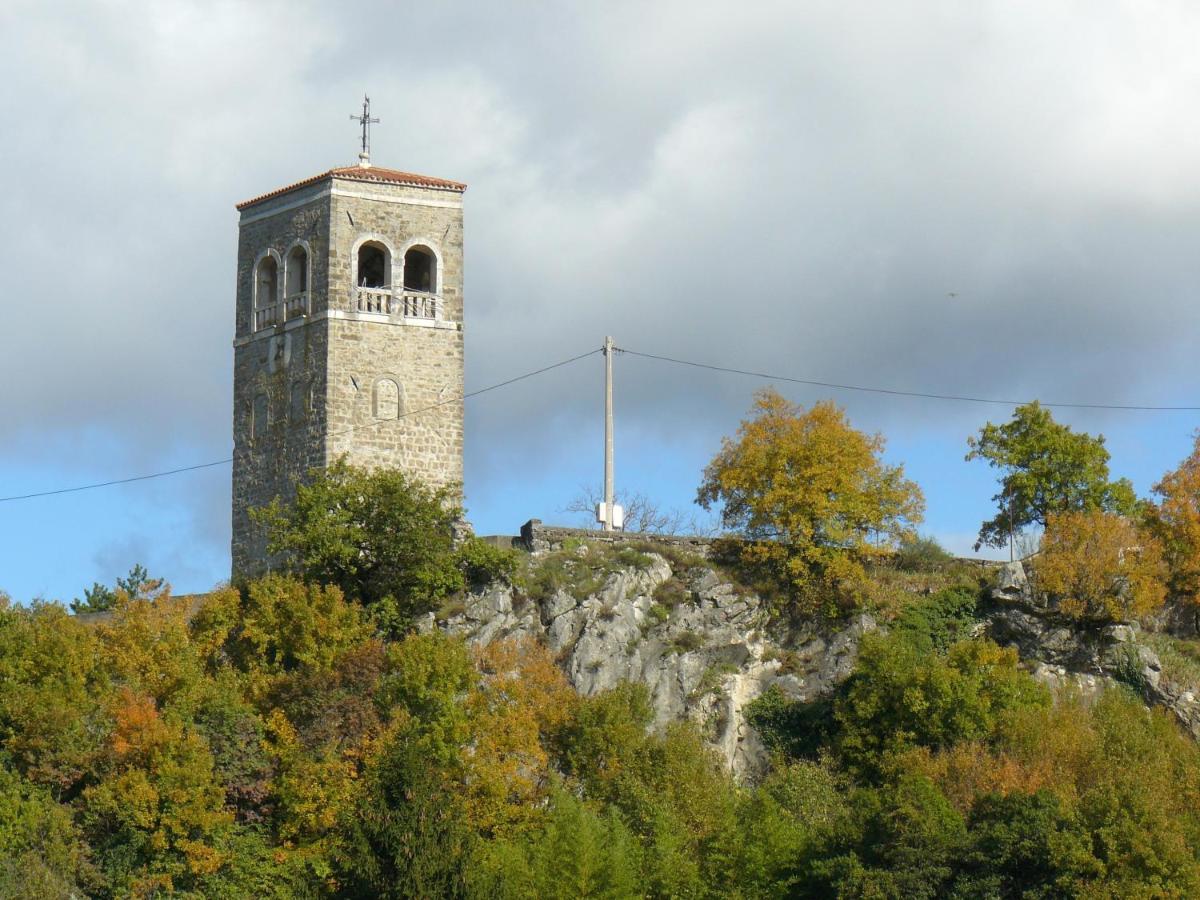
(672, 592)
(901, 697)
(789, 727)
(375, 534)
(483, 563)
(920, 554)
(935, 623)
(687, 642)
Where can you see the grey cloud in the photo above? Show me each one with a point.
(791, 188)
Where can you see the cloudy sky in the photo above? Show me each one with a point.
(993, 198)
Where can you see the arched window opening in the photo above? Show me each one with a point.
(297, 271)
(387, 399)
(373, 265)
(266, 292)
(374, 278)
(296, 282)
(420, 270)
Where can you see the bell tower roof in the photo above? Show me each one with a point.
(367, 173)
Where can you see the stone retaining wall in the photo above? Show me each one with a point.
(536, 537)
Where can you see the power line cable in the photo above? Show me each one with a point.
(227, 460)
(669, 359)
(899, 393)
(115, 481)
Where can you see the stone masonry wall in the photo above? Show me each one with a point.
(309, 391)
(537, 537)
(280, 371)
(425, 362)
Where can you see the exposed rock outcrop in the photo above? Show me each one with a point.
(1088, 656)
(705, 648)
(698, 643)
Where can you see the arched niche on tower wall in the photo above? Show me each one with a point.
(387, 400)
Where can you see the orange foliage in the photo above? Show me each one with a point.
(521, 699)
(161, 787)
(968, 771)
(1100, 565)
(138, 728)
(813, 494)
(1176, 520)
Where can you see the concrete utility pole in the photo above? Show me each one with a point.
(608, 435)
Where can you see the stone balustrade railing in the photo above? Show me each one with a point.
(297, 304)
(409, 304)
(422, 306)
(375, 300)
(291, 307)
(382, 301)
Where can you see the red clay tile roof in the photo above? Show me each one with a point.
(361, 173)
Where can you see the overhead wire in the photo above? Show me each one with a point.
(831, 385)
(221, 462)
(899, 393)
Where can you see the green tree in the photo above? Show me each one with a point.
(578, 853)
(901, 697)
(406, 836)
(382, 536)
(53, 693)
(407, 833)
(813, 495)
(1026, 845)
(137, 585)
(903, 839)
(1046, 468)
(41, 852)
(1176, 522)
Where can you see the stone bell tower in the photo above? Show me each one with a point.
(348, 334)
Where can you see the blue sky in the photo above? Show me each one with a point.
(990, 199)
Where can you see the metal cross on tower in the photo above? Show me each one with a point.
(364, 158)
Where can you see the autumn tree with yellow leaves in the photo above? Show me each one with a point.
(1175, 520)
(1100, 566)
(813, 497)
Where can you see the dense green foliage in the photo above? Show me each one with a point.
(294, 736)
(918, 553)
(960, 778)
(1046, 468)
(278, 744)
(385, 538)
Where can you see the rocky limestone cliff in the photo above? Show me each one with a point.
(698, 642)
(705, 648)
(1089, 657)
